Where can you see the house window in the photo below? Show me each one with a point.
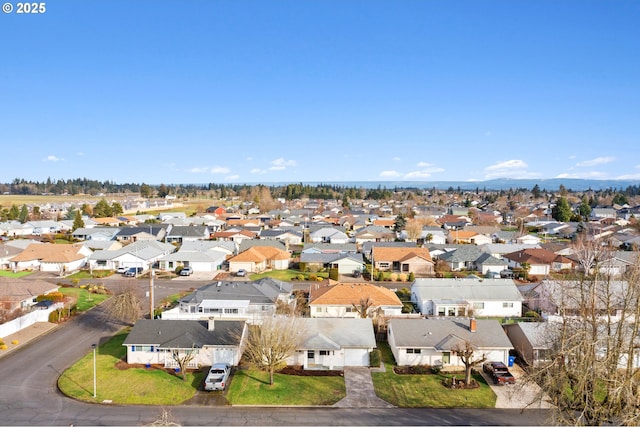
(231, 311)
(325, 352)
(441, 311)
(101, 262)
(170, 265)
(446, 358)
(142, 348)
(414, 351)
(350, 310)
(507, 305)
(478, 305)
(383, 265)
(311, 354)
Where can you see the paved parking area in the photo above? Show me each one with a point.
(522, 394)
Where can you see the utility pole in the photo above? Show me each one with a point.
(151, 311)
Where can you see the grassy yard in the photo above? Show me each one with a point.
(251, 387)
(85, 299)
(286, 275)
(133, 386)
(418, 391)
(7, 273)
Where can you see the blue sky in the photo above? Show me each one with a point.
(199, 91)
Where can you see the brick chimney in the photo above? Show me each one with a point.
(211, 325)
(472, 325)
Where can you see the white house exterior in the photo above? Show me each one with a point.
(247, 301)
(152, 342)
(433, 342)
(142, 254)
(463, 297)
(330, 344)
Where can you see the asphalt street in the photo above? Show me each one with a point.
(29, 396)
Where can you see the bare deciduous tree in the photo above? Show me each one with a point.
(271, 343)
(413, 230)
(183, 358)
(125, 305)
(362, 308)
(591, 376)
(467, 353)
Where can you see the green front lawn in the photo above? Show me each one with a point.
(418, 391)
(132, 386)
(85, 299)
(251, 387)
(287, 275)
(7, 273)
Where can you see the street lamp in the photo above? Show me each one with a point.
(93, 346)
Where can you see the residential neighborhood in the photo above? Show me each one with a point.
(444, 291)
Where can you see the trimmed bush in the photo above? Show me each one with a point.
(375, 357)
(15, 342)
(333, 274)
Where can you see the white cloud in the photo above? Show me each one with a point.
(232, 177)
(424, 164)
(509, 169)
(198, 170)
(424, 173)
(258, 171)
(596, 161)
(53, 158)
(629, 176)
(509, 164)
(220, 169)
(583, 175)
(281, 164)
(390, 174)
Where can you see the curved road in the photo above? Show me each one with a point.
(29, 396)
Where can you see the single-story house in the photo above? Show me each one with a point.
(183, 233)
(532, 341)
(152, 342)
(21, 293)
(345, 299)
(470, 295)
(433, 342)
(142, 254)
(402, 259)
(345, 263)
(52, 258)
(331, 343)
(260, 258)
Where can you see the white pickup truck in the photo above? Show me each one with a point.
(218, 377)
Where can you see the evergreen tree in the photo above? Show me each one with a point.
(14, 213)
(584, 209)
(102, 209)
(77, 222)
(24, 214)
(535, 191)
(561, 211)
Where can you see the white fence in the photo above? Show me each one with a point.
(28, 319)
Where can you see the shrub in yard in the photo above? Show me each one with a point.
(313, 277)
(3, 347)
(15, 342)
(393, 277)
(300, 277)
(333, 274)
(52, 296)
(375, 357)
(54, 316)
(402, 277)
(412, 277)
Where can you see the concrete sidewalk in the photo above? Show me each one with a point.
(25, 335)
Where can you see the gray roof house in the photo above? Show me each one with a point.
(182, 233)
(532, 341)
(333, 343)
(250, 301)
(462, 297)
(152, 342)
(433, 342)
(345, 263)
(143, 254)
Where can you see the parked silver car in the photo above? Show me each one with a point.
(218, 377)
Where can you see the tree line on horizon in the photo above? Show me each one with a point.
(79, 186)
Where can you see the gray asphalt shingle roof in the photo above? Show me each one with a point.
(445, 334)
(185, 333)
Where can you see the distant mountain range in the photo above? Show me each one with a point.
(494, 184)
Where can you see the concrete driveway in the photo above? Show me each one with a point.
(522, 394)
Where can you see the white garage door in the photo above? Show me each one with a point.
(356, 357)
